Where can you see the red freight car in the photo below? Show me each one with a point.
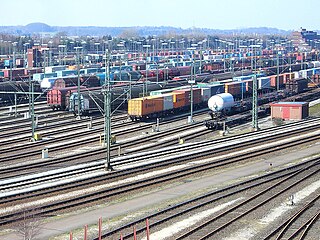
(58, 98)
(184, 70)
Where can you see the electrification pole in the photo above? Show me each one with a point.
(146, 82)
(130, 87)
(32, 111)
(191, 82)
(255, 92)
(78, 88)
(29, 94)
(278, 70)
(107, 113)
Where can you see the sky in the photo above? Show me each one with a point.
(214, 14)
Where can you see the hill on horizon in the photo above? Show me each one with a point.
(38, 28)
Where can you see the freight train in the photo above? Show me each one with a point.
(58, 98)
(92, 100)
(69, 81)
(238, 87)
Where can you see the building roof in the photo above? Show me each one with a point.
(289, 103)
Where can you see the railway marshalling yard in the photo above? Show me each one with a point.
(188, 181)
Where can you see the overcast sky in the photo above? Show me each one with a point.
(215, 14)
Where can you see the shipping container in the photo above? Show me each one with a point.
(264, 83)
(164, 91)
(8, 63)
(187, 95)
(290, 110)
(167, 101)
(248, 86)
(20, 62)
(65, 73)
(215, 88)
(317, 71)
(305, 73)
(52, 69)
(242, 78)
(14, 72)
(40, 76)
(205, 94)
(179, 100)
(31, 71)
(234, 88)
(91, 100)
(143, 107)
(274, 81)
(89, 70)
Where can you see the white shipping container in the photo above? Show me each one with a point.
(47, 83)
(264, 82)
(54, 69)
(167, 102)
(205, 94)
(37, 77)
(316, 64)
(306, 73)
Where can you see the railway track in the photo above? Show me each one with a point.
(158, 153)
(161, 178)
(299, 223)
(57, 126)
(167, 217)
(214, 226)
(7, 154)
(94, 154)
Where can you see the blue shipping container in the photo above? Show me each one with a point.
(7, 63)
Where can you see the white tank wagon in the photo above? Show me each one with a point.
(221, 102)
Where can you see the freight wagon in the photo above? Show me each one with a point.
(93, 100)
(297, 85)
(58, 98)
(163, 105)
(63, 82)
(90, 102)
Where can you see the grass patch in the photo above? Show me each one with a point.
(314, 111)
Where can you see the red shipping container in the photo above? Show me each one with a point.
(32, 71)
(273, 80)
(15, 72)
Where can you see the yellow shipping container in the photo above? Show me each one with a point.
(72, 67)
(145, 106)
